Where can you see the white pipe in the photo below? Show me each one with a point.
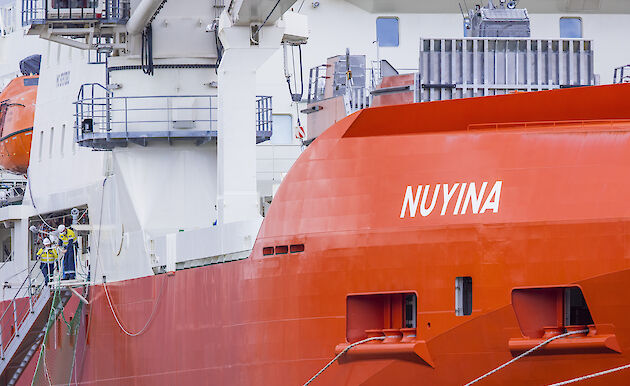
(141, 16)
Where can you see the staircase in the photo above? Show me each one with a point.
(23, 323)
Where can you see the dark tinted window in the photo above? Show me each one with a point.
(31, 81)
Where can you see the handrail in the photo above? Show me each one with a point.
(11, 305)
(104, 121)
(112, 11)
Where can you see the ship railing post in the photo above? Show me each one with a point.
(15, 325)
(1, 344)
(92, 105)
(169, 117)
(108, 107)
(126, 121)
(30, 293)
(76, 119)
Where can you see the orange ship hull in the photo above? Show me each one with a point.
(341, 226)
(17, 113)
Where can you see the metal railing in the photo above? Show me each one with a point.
(17, 309)
(264, 109)
(317, 77)
(41, 11)
(103, 120)
(622, 74)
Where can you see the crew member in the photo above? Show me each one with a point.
(47, 255)
(67, 241)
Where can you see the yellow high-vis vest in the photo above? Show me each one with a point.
(48, 255)
(67, 237)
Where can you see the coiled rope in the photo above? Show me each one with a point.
(340, 354)
(525, 354)
(584, 377)
(109, 300)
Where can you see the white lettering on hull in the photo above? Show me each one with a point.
(470, 197)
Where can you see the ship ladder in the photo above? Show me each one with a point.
(62, 370)
(23, 324)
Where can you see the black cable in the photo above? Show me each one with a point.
(219, 49)
(301, 73)
(264, 22)
(146, 57)
(297, 96)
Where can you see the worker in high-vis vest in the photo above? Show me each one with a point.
(67, 241)
(47, 255)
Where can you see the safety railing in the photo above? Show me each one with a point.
(41, 11)
(104, 121)
(264, 121)
(17, 309)
(316, 83)
(622, 74)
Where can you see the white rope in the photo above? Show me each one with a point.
(155, 306)
(578, 379)
(30, 193)
(341, 353)
(525, 354)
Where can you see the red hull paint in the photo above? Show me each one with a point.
(563, 219)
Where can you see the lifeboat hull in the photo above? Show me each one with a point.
(17, 113)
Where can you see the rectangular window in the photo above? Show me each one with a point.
(52, 137)
(463, 295)
(282, 130)
(62, 139)
(31, 82)
(387, 31)
(571, 27)
(7, 246)
(41, 145)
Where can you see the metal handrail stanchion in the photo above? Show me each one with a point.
(15, 325)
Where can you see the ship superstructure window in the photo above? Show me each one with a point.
(463, 295)
(31, 82)
(50, 147)
(62, 139)
(7, 245)
(387, 31)
(571, 27)
(282, 130)
(41, 145)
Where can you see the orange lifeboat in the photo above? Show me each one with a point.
(17, 112)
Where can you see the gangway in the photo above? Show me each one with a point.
(24, 321)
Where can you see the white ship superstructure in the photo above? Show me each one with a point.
(171, 140)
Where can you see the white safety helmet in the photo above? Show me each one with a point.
(47, 242)
(61, 228)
